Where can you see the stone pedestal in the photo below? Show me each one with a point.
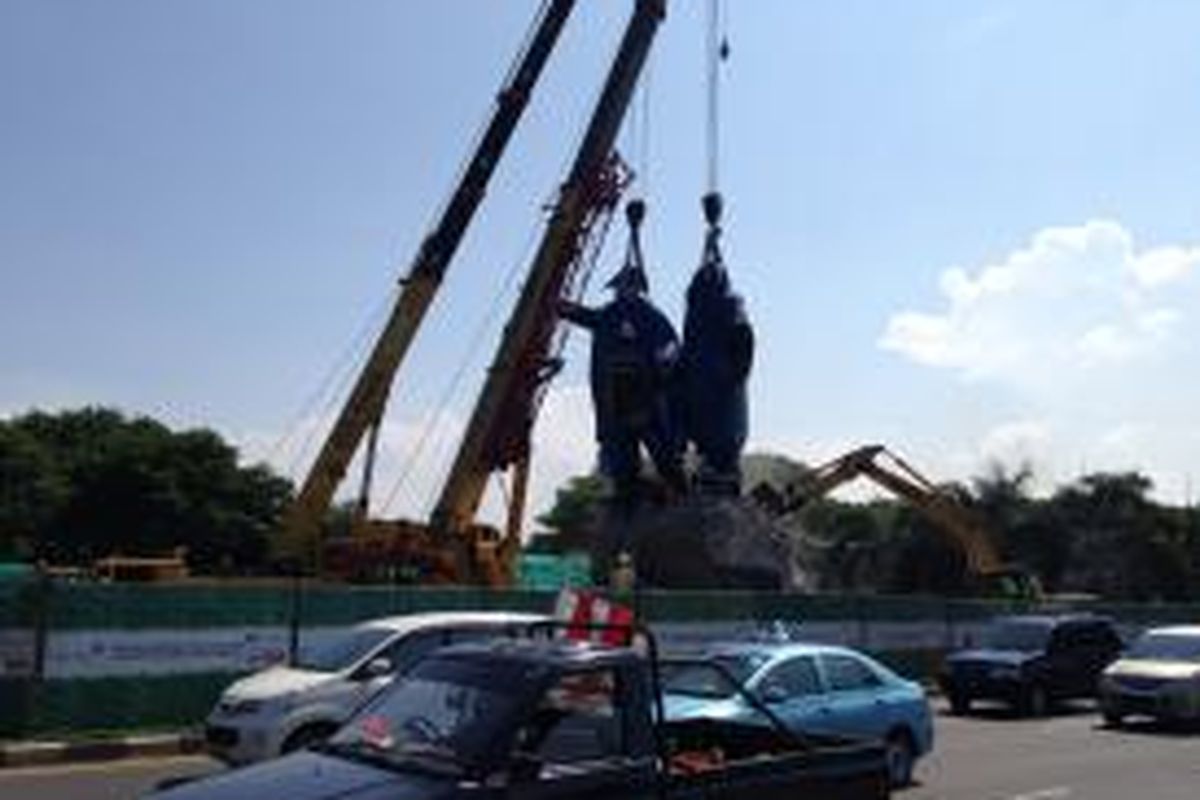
(700, 542)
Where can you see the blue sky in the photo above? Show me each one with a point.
(965, 229)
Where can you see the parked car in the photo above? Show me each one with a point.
(287, 708)
(1031, 662)
(1159, 677)
(813, 689)
(548, 719)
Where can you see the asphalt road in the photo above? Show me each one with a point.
(1069, 756)
(989, 756)
(112, 780)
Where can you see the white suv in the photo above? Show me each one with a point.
(286, 708)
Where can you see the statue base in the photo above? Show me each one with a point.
(702, 541)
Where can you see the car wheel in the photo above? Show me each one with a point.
(1035, 702)
(900, 759)
(959, 703)
(306, 737)
(1113, 717)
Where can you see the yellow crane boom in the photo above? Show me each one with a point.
(364, 407)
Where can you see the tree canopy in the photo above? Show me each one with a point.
(83, 484)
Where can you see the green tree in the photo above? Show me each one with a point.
(33, 491)
(135, 487)
(1124, 546)
(572, 518)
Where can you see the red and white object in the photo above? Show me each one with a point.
(581, 608)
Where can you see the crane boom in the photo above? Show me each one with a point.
(482, 449)
(364, 407)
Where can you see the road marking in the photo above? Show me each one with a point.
(104, 766)
(1054, 793)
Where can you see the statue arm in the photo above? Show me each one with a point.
(578, 314)
(741, 346)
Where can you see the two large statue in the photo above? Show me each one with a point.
(650, 392)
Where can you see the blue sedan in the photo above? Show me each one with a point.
(811, 688)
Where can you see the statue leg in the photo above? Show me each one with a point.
(620, 462)
(666, 450)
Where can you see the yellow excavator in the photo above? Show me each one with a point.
(963, 527)
(451, 546)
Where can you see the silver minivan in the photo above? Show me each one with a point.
(286, 708)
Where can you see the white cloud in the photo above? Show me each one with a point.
(1165, 265)
(1142, 334)
(1088, 341)
(1075, 298)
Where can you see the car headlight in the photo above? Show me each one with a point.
(241, 708)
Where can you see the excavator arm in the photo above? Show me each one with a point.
(958, 523)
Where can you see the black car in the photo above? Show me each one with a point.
(1032, 661)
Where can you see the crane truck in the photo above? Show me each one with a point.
(452, 546)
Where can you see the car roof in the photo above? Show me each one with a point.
(1176, 630)
(774, 650)
(558, 652)
(433, 620)
(1051, 620)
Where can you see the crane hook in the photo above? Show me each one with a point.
(635, 212)
(713, 205)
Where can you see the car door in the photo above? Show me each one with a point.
(1099, 645)
(401, 652)
(574, 745)
(1067, 661)
(857, 702)
(793, 691)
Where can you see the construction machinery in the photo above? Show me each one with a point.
(965, 530)
(452, 547)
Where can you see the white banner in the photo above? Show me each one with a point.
(117, 653)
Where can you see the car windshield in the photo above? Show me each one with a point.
(1018, 635)
(701, 680)
(1167, 647)
(445, 713)
(343, 651)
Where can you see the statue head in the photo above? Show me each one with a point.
(630, 280)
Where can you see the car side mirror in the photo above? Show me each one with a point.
(377, 668)
(774, 693)
(524, 767)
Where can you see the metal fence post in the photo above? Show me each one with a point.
(294, 617)
(40, 613)
(860, 615)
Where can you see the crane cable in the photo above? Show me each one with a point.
(639, 127)
(436, 417)
(310, 417)
(431, 419)
(717, 51)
